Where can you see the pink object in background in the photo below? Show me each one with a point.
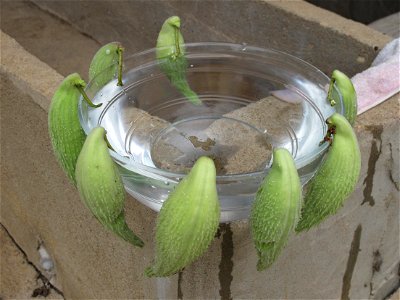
(381, 81)
(287, 96)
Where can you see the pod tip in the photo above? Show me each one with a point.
(174, 21)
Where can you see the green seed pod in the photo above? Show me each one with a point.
(276, 208)
(170, 54)
(348, 93)
(100, 186)
(188, 220)
(337, 177)
(106, 63)
(66, 134)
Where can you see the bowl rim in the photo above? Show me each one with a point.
(174, 177)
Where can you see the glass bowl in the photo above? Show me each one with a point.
(253, 100)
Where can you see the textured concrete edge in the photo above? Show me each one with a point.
(333, 22)
(382, 114)
(318, 36)
(386, 111)
(28, 72)
(40, 81)
(47, 287)
(20, 75)
(307, 11)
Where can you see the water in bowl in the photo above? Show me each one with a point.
(237, 133)
(251, 103)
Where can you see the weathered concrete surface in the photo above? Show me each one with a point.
(51, 211)
(19, 279)
(50, 39)
(320, 37)
(39, 203)
(326, 255)
(388, 25)
(395, 296)
(14, 283)
(91, 263)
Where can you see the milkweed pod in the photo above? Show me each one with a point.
(66, 134)
(276, 208)
(105, 64)
(188, 220)
(100, 186)
(170, 52)
(337, 177)
(349, 96)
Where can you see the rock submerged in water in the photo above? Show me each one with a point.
(240, 142)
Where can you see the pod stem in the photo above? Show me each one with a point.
(108, 143)
(329, 134)
(120, 51)
(329, 96)
(85, 96)
(177, 48)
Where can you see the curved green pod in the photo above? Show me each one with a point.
(170, 52)
(348, 93)
(337, 177)
(106, 64)
(188, 220)
(276, 208)
(66, 134)
(100, 185)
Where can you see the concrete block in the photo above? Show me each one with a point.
(352, 255)
(320, 37)
(337, 259)
(48, 38)
(38, 202)
(19, 279)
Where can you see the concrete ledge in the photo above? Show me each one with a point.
(27, 72)
(39, 205)
(352, 255)
(322, 38)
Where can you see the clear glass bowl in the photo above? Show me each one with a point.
(253, 101)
